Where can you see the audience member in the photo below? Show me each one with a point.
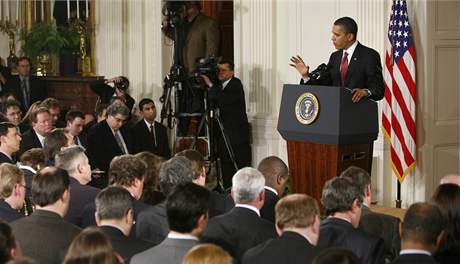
(44, 235)
(297, 223)
(9, 249)
(10, 140)
(41, 126)
(115, 217)
(342, 201)
(12, 110)
(152, 223)
(91, 246)
(207, 254)
(54, 107)
(187, 211)
(336, 256)
(55, 141)
(74, 161)
(451, 178)
(119, 89)
(149, 135)
(108, 139)
(75, 121)
(276, 174)
(381, 225)
(447, 198)
(12, 192)
(150, 194)
(218, 203)
(30, 162)
(242, 228)
(25, 122)
(99, 116)
(421, 233)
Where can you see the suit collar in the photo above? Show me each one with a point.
(112, 230)
(296, 236)
(271, 190)
(336, 221)
(47, 214)
(353, 61)
(248, 207)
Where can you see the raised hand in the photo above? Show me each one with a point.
(300, 66)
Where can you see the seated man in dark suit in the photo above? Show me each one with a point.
(27, 88)
(152, 223)
(75, 162)
(276, 174)
(242, 228)
(119, 89)
(218, 203)
(10, 141)
(35, 137)
(126, 171)
(44, 235)
(75, 121)
(149, 135)
(11, 109)
(12, 192)
(421, 233)
(108, 139)
(342, 202)
(297, 223)
(115, 216)
(381, 225)
(186, 208)
(54, 106)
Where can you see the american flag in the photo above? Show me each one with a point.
(398, 117)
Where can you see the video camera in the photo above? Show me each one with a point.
(172, 10)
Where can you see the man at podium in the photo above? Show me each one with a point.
(353, 65)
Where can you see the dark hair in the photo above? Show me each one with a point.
(336, 256)
(39, 110)
(10, 103)
(338, 195)
(4, 127)
(33, 157)
(144, 102)
(7, 242)
(125, 169)
(100, 109)
(50, 102)
(358, 176)
(72, 114)
(123, 84)
(23, 58)
(184, 206)
(422, 223)
(230, 64)
(113, 202)
(151, 179)
(48, 185)
(53, 142)
(272, 167)
(195, 158)
(348, 24)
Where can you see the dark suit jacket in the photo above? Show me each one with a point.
(289, 248)
(364, 71)
(268, 210)
(169, 251)
(237, 231)
(335, 232)
(143, 141)
(414, 258)
(102, 147)
(123, 245)
(29, 140)
(37, 90)
(7, 213)
(383, 226)
(105, 93)
(80, 196)
(44, 236)
(5, 159)
(219, 204)
(152, 224)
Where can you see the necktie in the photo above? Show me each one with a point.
(120, 142)
(344, 68)
(152, 134)
(75, 140)
(25, 93)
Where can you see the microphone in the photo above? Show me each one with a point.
(318, 72)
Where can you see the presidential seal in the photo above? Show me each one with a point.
(307, 108)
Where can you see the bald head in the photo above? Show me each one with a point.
(451, 178)
(275, 172)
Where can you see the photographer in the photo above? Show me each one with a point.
(227, 95)
(119, 88)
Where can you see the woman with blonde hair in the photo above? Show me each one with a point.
(207, 254)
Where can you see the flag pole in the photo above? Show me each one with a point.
(398, 194)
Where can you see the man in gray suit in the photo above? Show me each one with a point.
(187, 211)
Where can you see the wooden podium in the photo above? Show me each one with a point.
(341, 135)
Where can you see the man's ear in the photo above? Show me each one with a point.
(262, 195)
(98, 219)
(279, 231)
(439, 238)
(130, 215)
(401, 225)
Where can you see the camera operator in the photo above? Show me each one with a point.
(200, 33)
(227, 94)
(118, 88)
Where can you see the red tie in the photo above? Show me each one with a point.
(344, 68)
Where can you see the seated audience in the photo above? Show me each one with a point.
(54, 107)
(207, 254)
(12, 192)
(31, 161)
(91, 246)
(342, 201)
(75, 121)
(276, 174)
(297, 223)
(41, 126)
(218, 203)
(242, 228)
(451, 178)
(115, 217)
(152, 223)
(381, 225)
(24, 126)
(10, 140)
(11, 109)
(44, 235)
(151, 195)
(336, 256)
(187, 211)
(421, 233)
(9, 249)
(74, 161)
(119, 88)
(447, 198)
(55, 141)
